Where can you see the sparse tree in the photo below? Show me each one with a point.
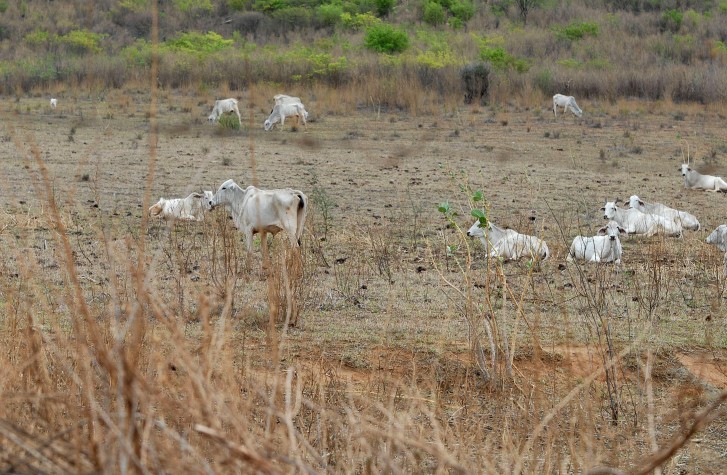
(526, 6)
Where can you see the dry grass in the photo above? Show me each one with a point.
(146, 346)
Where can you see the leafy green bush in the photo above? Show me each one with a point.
(671, 20)
(577, 31)
(37, 38)
(187, 6)
(433, 13)
(500, 59)
(359, 21)
(385, 38)
(268, 6)
(237, 5)
(384, 7)
(329, 14)
(462, 10)
(138, 53)
(193, 42)
(82, 41)
(293, 16)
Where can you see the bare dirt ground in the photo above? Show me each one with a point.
(375, 244)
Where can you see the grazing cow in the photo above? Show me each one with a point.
(688, 221)
(636, 222)
(191, 208)
(263, 211)
(224, 106)
(508, 243)
(719, 239)
(697, 181)
(53, 103)
(566, 102)
(283, 110)
(604, 247)
(284, 98)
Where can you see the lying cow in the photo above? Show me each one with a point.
(719, 239)
(567, 103)
(283, 110)
(263, 211)
(636, 222)
(687, 220)
(604, 247)
(191, 208)
(224, 106)
(696, 181)
(508, 243)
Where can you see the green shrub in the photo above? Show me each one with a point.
(237, 5)
(544, 81)
(576, 31)
(433, 13)
(385, 38)
(293, 16)
(462, 10)
(3, 6)
(500, 59)
(229, 121)
(359, 21)
(268, 6)
(187, 6)
(329, 14)
(671, 20)
(384, 7)
(82, 41)
(37, 38)
(193, 42)
(138, 53)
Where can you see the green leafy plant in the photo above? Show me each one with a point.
(384, 7)
(193, 42)
(433, 13)
(671, 20)
(576, 31)
(385, 38)
(82, 41)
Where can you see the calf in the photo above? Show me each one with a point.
(191, 208)
(224, 106)
(567, 103)
(508, 243)
(283, 110)
(696, 181)
(636, 222)
(604, 247)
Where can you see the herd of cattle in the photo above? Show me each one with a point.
(269, 211)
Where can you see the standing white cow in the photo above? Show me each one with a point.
(604, 247)
(697, 181)
(283, 110)
(719, 238)
(263, 211)
(508, 243)
(224, 106)
(191, 208)
(566, 102)
(53, 103)
(688, 220)
(636, 222)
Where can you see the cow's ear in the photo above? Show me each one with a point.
(641, 203)
(603, 209)
(621, 230)
(602, 232)
(689, 169)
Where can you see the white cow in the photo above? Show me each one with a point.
(53, 103)
(283, 110)
(263, 211)
(688, 220)
(566, 102)
(191, 208)
(719, 239)
(224, 106)
(508, 243)
(636, 222)
(604, 247)
(697, 181)
(284, 98)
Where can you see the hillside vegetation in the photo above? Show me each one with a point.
(397, 54)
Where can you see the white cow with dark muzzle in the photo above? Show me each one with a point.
(604, 247)
(696, 181)
(508, 243)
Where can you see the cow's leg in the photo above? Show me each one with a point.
(282, 121)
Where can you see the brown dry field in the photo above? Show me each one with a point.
(374, 299)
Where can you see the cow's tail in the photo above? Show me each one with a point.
(302, 213)
(545, 251)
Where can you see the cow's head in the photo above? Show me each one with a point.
(212, 118)
(477, 230)
(635, 202)
(268, 125)
(609, 210)
(685, 168)
(157, 208)
(612, 230)
(224, 195)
